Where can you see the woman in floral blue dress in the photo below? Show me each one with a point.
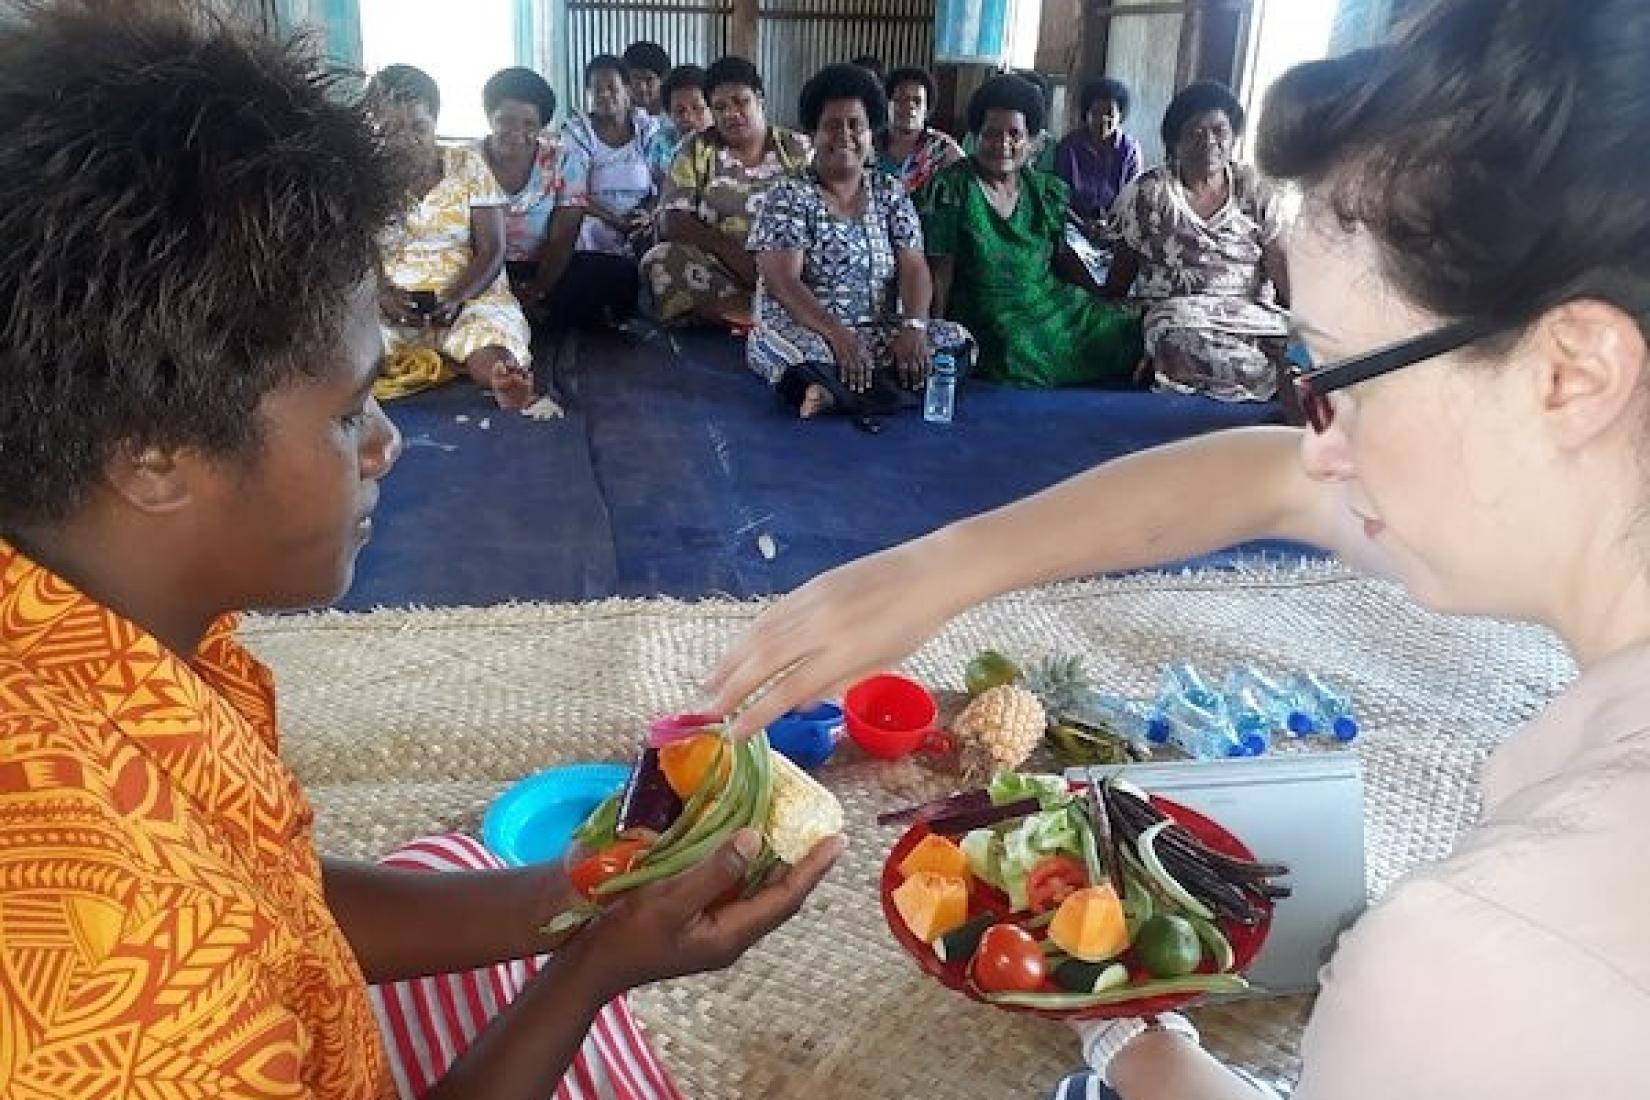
(843, 295)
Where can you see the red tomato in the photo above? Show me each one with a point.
(1009, 958)
(1053, 879)
(596, 868)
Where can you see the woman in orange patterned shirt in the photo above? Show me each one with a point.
(188, 340)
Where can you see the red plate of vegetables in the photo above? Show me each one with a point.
(1077, 901)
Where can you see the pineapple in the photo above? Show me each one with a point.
(1060, 683)
(999, 730)
(1078, 731)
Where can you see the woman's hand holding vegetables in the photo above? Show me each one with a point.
(684, 924)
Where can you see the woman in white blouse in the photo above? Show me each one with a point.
(1471, 279)
(605, 208)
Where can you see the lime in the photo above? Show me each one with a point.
(990, 669)
(1168, 946)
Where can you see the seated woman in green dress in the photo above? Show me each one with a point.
(995, 234)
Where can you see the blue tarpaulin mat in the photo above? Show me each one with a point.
(677, 474)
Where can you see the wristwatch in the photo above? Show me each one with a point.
(918, 323)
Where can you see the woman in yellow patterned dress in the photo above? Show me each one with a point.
(444, 286)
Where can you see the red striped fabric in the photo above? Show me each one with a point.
(428, 1022)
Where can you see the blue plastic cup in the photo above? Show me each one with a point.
(808, 736)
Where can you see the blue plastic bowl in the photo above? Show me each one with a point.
(808, 737)
(533, 821)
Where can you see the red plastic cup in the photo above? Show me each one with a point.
(891, 716)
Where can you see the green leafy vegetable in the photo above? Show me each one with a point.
(1050, 791)
(1025, 844)
(601, 828)
(984, 849)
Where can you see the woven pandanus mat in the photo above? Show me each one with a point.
(406, 722)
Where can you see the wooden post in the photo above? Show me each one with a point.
(1093, 42)
(1188, 59)
(1059, 35)
(742, 37)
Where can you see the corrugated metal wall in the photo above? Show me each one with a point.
(689, 30)
(798, 37)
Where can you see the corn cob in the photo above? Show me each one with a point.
(802, 812)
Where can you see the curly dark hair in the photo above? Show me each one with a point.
(647, 55)
(408, 84)
(835, 82)
(1006, 92)
(682, 76)
(1490, 151)
(1044, 86)
(1197, 99)
(911, 74)
(523, 86)
(185, 216)
(1105, 89)
(734, 70)
(603, 63)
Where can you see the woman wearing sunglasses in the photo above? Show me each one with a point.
(1471, 269)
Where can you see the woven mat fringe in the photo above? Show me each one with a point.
(403, 722)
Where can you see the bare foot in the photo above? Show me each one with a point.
(512, 386)
(816, 400)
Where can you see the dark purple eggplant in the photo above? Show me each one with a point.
(1105, 837)
(648, 802)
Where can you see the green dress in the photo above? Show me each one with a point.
(1033, 328)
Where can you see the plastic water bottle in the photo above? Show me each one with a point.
(1249, 716)
(1331, 706)
(1185, 680)
(1196, 731)
(940, 399)
(1131, 720)
(1255, 701)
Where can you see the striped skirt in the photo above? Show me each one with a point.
(428, 1022)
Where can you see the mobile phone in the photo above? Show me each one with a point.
(424, 302)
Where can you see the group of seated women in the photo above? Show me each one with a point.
(851, 251)
(524, 223)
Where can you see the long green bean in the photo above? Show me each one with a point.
(731, 809)
(1191, 983)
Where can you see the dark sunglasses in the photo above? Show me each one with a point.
(1313, 387)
